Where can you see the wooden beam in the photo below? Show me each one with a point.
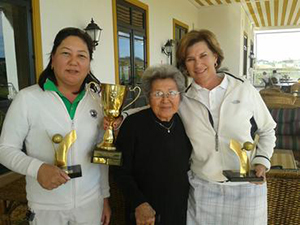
(261, 16)
(251, 11)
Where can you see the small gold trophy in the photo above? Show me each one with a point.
(112, 97)
(245, 173)
(61, 153)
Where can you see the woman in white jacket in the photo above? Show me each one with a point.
(59, 104)
(218, 107)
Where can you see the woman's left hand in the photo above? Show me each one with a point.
(116, 124)
(260, 172)
(106, 213)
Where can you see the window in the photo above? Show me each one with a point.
(131, 36)
(16, 46)
(277, 50)
(179, 29)
(245, 54)
(251, 54)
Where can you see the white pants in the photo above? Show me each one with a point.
(88, 214)
(223, 204)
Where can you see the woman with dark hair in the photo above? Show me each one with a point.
(60, 105)
(48, 73)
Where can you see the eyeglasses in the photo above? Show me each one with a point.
(170, 94)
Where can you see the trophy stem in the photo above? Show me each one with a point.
(108, 139)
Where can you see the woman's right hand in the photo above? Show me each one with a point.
(51, 177)
(144, 214)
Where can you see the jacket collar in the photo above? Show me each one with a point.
(229, 82)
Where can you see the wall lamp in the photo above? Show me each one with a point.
(252, 56)
(167, 49)
(94, 31)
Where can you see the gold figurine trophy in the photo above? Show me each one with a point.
(245, 173)
(112, 97)
(61, 153)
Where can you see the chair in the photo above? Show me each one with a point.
(116, 201)
(266, 82)
(13, 197)
(274, 80)
(288, 129)
(295, 89)
(283, 197)
(276, 99)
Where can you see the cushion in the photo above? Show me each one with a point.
(282, 115)
(288, 142)
(292, 128)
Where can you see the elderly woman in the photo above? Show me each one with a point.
(216, 108)
(156, 153)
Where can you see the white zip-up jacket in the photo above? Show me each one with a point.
(34, 117)
(241, 113)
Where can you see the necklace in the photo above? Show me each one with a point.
(167, 128)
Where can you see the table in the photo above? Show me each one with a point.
(285, 87)
(284, 158)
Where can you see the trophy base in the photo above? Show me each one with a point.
(235, 176)
(72, 171)
(112, 158)
(106, 146)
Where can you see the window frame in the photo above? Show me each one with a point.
(136, 4)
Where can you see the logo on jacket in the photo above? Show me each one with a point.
(236, 101)
(93, 113)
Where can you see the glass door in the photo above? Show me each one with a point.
(16, 51)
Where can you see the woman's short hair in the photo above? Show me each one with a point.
(48, 73)
(194, 37)
(157, 72)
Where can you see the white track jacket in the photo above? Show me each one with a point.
(241, 112)
(34, 117)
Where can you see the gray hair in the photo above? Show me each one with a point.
(164, 71)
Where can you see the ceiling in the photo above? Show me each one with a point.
(264, 13)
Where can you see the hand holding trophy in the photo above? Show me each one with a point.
(245, 173)
(112, 97)
(61, 152)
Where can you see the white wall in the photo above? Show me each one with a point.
(161, 15)
(57, 14)
(228, 22)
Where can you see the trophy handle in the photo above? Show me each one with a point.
(137, 96)
(89, 88)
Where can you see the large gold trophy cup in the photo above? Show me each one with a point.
(112, 97)
(245, 172)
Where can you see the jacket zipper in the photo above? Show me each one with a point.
(72, 156)
(73, 183)
(217, 142)
(216, 135)
(212, 124)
